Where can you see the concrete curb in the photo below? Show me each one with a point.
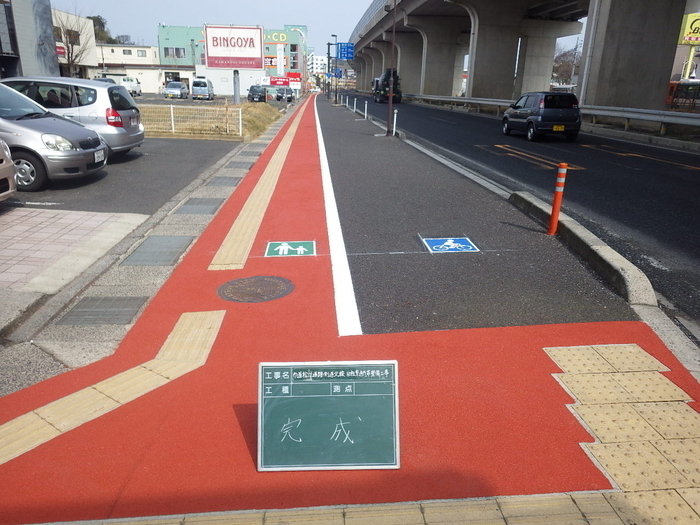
(628, 280)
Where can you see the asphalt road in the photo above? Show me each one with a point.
(640, 199)
(138, 182)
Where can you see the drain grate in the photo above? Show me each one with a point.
(103, 310)
(200, 206)
(159, 250)
(224, 181)
(240, 164)
(256, 289)
(249, 153)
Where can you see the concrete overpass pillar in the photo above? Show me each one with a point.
(440, 38)
(537, 50)
(377, 62)
(360, 65)
(410, 56)
(627, 43)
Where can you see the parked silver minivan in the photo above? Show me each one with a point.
(107, 108)
(45, 146)
(202, 88)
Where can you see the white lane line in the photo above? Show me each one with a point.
(346, 311)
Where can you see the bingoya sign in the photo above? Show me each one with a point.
(232, 47)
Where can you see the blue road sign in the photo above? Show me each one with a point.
(450, 245)
(346, 51)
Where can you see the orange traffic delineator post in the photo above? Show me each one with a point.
(558, 196)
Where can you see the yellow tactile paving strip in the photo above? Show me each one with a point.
(234, 251)
(186, 349)
(648, 438)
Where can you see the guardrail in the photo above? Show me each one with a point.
(192, 120)
(627, 115)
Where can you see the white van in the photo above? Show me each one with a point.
(132, 84)
(202, 88)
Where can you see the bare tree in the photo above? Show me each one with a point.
(74, 35)
(565, 65)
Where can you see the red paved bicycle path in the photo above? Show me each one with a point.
(481, 414)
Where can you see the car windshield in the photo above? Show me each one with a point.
(120, 98)
(175, 85)
(13, 105)
(199, 83)
(256, 89)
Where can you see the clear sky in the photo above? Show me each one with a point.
(140, 18)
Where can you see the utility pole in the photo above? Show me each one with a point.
(335, 67)
(390, 109)
(328, 72)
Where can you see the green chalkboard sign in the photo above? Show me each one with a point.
(328, 416)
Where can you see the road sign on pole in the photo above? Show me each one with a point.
(346, 51)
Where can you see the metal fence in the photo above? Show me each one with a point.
(192, 120)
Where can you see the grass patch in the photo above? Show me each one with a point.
(257, 117)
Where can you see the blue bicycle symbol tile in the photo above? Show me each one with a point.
(450, 244)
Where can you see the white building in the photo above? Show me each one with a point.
(75, 43)
(318, 64)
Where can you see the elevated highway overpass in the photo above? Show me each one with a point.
(627, 57)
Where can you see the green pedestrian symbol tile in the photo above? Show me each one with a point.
(290, 248)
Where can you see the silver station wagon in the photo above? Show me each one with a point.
(45, 146)
(106, 108)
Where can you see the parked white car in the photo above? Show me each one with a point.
(132, 85)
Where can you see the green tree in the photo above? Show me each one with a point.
(102, 34)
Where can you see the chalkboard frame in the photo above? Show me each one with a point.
(372, 384)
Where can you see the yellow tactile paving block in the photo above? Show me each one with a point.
(673, 420)
(481, 512)
(234, 251)
(24, 433)
(653, 507)
(616, 423)
(650, 386)
(131, 384)
(385, 515)
(684, 454)
(192, 337)
(300, 517)
(579, 360)
(629, 358)
(638, 466)
(186, 348)
(170, 369)
(691, 497)
(595, 389)
(76, 409)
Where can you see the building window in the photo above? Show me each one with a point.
(126, 51)
(73, 37)
(57, 34)
(141, 53)
(174, 52)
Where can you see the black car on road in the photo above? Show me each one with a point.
(544, 112)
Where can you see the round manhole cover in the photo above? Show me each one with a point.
(255, 289)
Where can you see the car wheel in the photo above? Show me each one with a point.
(30, 173)
(571, 137)
(532, 135)
(506, 128)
